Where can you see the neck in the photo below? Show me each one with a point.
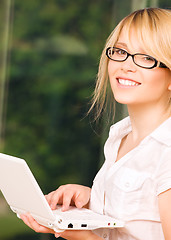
(146, 119)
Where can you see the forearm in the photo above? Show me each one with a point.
(95, 237)
(88, 204)
(77, 235)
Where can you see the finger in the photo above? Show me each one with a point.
(49, 199)
(49, 196)
(67, 195)
(55, 197)
(25, 220)
(79, 200)
(67, 198)
(36, 226)
(82, 198)
(61, 196)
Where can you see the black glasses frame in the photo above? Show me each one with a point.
(161, 65)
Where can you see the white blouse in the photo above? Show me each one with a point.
(128, 189)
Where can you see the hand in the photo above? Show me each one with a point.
(31, 222)
(69, 235)
(70, 194)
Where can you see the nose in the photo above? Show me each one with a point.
(128, 65)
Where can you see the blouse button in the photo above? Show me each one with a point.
(127, 184)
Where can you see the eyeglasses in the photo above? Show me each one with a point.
(141, 60)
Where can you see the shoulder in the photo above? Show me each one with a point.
(164, 200)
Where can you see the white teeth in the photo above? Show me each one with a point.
(127, 82)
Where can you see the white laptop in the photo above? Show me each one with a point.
(24, 195)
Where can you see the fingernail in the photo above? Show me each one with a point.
(64, 208)
(57, 235)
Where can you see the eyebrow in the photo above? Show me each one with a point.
(121, 43)
(141, 50)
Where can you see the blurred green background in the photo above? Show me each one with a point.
(50, 51)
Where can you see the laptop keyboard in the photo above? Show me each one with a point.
(80, 214)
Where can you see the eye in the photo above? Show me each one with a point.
(147, 58)
(120, 51)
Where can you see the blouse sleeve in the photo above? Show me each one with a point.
(163, 176)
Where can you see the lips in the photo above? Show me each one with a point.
(127, 82)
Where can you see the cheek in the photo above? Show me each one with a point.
(158, 80)
(112, 72)
(111, 68)
(158, 84)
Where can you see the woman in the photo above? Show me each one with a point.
(135, 181)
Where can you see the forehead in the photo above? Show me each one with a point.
(129, 40)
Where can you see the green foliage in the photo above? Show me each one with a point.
(54, 58)
(164, 4)
(15, 226)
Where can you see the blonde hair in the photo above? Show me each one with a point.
(153, 29)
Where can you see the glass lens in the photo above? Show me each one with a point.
(144, 60)
(117, 54)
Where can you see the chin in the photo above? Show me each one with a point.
(124, 100)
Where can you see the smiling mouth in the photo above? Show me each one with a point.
(126, 82)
